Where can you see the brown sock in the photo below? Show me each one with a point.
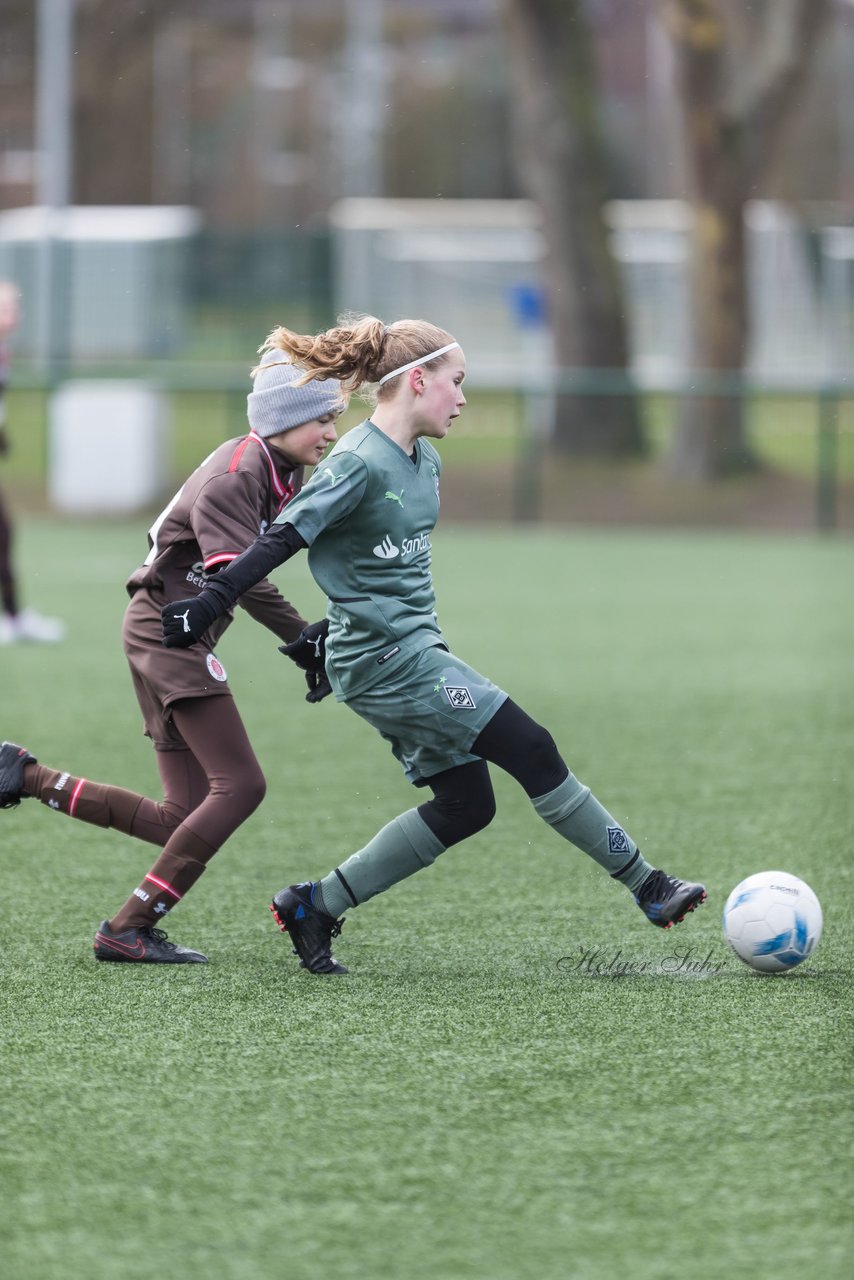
(173, 874)
(94, 802)
(102, 805)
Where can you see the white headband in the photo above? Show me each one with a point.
(413, 364)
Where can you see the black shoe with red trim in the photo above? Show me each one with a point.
(311, 929)
(12, 761)
(666, 901)
(142, 946)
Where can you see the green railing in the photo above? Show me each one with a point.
(805, 433)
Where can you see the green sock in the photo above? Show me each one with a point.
(402, 847)
(577, 815)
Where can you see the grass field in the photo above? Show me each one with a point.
(475, 1101)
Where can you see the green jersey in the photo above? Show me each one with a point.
(367, 514)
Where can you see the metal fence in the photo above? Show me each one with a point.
(501, 463)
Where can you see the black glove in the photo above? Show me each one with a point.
(186, 621)
(318, 686)
(308, 651)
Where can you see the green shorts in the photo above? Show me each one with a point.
(430, 712)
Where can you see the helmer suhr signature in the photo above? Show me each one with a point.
(602, 963)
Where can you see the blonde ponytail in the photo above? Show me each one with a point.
(359, 350)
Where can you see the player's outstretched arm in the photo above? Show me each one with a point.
(186, 621)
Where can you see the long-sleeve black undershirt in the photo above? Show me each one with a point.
(276, 545)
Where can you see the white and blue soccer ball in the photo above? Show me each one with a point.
(772, 921)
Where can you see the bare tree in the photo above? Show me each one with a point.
(562, 163)
(739, 70)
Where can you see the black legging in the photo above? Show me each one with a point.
(8, 595)
(463, 800)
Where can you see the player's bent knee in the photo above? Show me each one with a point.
(482, 811)
(476, 816)
(452, 826)
(243, 792)
(540, 748)
(171, 815)
(254, 790)
(463, 803)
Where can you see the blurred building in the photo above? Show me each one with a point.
(122, 275)
(262, 116)
(479, 264)
(262, 112)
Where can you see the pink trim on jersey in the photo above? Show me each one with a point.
(75, 796)
(278, 488)
(225, 557)
(288, 494)
(284, 493)
(238, 454)
(161, 884)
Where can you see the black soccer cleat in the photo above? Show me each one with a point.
(142, 946)
(12, 761)
(666, 901)
(311, 929)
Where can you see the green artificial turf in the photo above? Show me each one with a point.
(520, 1079)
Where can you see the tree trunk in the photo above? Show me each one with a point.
(733, 119)
(561, 161)
(711, 438)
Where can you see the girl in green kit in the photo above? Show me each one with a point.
(366, 517)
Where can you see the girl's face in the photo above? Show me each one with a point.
(307, 443)
(441, 398)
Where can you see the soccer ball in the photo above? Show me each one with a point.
(772, 921)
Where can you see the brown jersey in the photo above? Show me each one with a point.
(225, 504)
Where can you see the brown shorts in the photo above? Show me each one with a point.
(164, 676)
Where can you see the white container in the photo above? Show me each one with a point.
(107, 447)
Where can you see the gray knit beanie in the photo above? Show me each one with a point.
(278, 404)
